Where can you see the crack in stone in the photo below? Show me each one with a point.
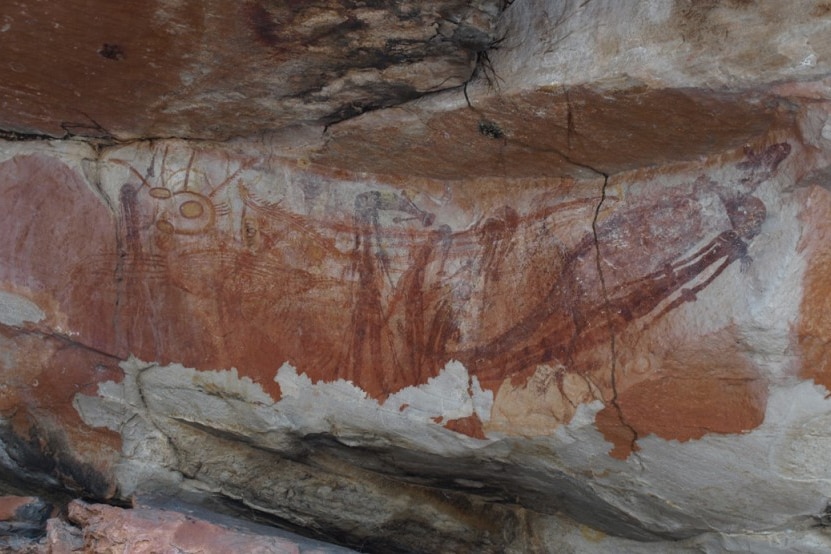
(633, 447)
(101, 136)
(329, 124)
(100, 143)
(571, 130)
(481, 67)
(66, 339)
(15, 136)
(146, 414)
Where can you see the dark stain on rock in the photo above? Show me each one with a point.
(386, 95)
(472, 39)
(336, 32)
(490, 129)
(48, 460)
(693, 18)
(821, 10)
(341, 37)
(547, 492)
(263, 25)
(112, 52)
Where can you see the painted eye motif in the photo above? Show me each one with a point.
(185, 212)
(190, 212)
(191, 209)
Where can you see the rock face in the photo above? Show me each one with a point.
(549, 310)
(173, 527)
(147, 529)
(223, 68)
(22, 521)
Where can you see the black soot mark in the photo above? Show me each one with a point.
(111, 52)
(490, 129)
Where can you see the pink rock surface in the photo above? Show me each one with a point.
(107, 529)
(63, 538)
(11, 505)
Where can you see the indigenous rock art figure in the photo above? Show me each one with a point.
(573, 315)
(373, 353)
(386, 293)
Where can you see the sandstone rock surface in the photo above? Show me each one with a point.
(22, 521)
(146, 529)
(222, 68)
(562, 288)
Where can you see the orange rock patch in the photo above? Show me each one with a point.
(10, 504)
(813, 331)
(470, 426)
(694, 391)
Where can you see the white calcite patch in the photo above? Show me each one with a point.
(17, 310)
(752, 482)
(224, 401)
(345, 410)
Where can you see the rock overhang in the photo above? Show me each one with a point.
(553, 132)
(219, 69)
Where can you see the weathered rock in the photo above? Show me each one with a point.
(729, 44)
(547, 133)
(22, 523)
(24, 509)
(577, 305)
(63, 538)
(342, 308)
(223, 68)
(144, 529)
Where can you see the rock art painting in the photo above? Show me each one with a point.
(216, 259)
(485, 276)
